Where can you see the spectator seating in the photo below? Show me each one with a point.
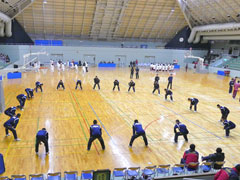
(36, 177)
(232, 63)
(70, 175)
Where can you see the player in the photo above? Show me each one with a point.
(42, 137)
(96, 82)
(170, 79)
(168, 93)
(180, 130)
(228, 125)
(224, 111)
(10, 111)
(156, 87)
(60, 83)
(137, 72)
(38, 85)
(116, 83)
(138, 131)
(131, 84)
(29, 92)
(11, 125)
(21, 99)
(193, 102)
(79, 82)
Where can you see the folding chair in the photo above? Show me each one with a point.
(163, 169)
(36, 177)
(206, 167)
(4, 178)
(192, 167)
(218, 165)
(119, 172)
(70, 175)
(54, 176)
(18, 177)
(88, 174)
(178, 169)
(149, 170)
(133, 172)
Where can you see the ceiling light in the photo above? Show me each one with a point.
(45, 1)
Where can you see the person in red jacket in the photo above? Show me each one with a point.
(228, 173)
(190, 156)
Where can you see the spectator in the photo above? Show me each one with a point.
(190, 156)
(228, 173)
(218, 156)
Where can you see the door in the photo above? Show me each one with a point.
(90, 58)
(149, 59)
(120, 60)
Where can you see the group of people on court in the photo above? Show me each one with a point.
(234, 85)
(161, 67)
(11, 124)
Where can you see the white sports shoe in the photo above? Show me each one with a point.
(7, 135)
(17, 139)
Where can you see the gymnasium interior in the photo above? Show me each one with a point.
(51, 40)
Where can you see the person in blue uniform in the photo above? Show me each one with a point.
(224, 111)
(10, 111)
(79, 82)
(131, 85)
(193, 102)
(180, 130)
(156, 78)
(116, 83)
(96, 82)
(132, 72)
(11, 125)
(21, 99)
(29, 92)
(95, 133)
(60, 83)
(42, 137)
(228, 125)
(137, 72)
(170, 80)
(231, 84)
(38, 85)
(168, 93)
(137, 132)
(156, 87)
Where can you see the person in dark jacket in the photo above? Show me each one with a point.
(29, 92)
(228, 125)
(137, 72)
(60, 83)
(218, 156)
(95, 133)
(10, 111)
(156, 78)
(170, 80)
(11, 125)
(231, 84)
(190, 155)
(168, 93)
(228, 173)
(180, 130)
(79, 82)
(193, 102)
(137, 132)
(21, 99)
(132, 72)
(38, 85)
(96, 82)
(224, 111)
(156, 87)
(131, 84)
(42, 136)
(116, 83)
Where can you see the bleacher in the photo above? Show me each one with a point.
(232, 63)
(4, 60)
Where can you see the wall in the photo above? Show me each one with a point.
(216, 47)
(101, 54)
(11, 51)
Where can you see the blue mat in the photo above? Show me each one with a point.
(16, 75)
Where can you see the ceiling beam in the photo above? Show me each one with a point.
(183, 7)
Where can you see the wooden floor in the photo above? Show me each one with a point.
(68, 114)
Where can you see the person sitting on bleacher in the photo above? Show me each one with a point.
(190, 156)
(228, 173)
(218, 156)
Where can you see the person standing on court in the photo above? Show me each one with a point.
(156, 87)
(131, 84)
(95, 133)
(116, 83)
(11, 125)
(21, 99)
(180, 130)
(137, 72)
(10, 111)
(236, 86)
(193, 102)
(29, 92)
(224, 111)
(231, 84)
(38, 85)
(228, 125)
(60, 83)
(170, 80)
(156, 78)
(96, 82)
(168, 93)
(42, 137)
(138, 131)
(132, 72)
(79, 82)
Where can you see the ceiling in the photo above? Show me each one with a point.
(142, 20)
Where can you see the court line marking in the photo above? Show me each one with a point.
(101, 123)
(188, 120)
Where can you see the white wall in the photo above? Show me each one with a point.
(101, 54)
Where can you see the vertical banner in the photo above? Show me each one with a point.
(2, 101)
